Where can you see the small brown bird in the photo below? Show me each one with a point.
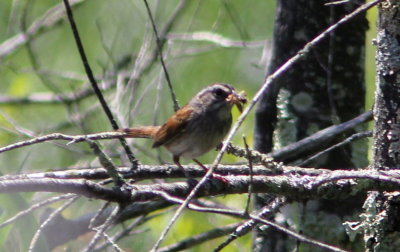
(197, 127)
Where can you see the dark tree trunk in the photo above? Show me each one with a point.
(381, 220)
(325, 88)
(387, 94)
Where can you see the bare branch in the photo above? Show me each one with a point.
(125, 232)
(296, 183)
(337, 2)
(318, 139)
(144, 172)
(59, 136)
(247, 226)
(101, 230)
(216, 38)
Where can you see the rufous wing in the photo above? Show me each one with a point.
(173, 127)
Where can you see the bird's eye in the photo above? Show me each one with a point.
(220, 93)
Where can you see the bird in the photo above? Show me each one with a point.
(197, 127)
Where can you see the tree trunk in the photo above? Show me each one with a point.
(381, 220)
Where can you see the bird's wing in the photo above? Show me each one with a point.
(173, 127)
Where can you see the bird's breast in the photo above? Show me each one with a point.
(201, 135)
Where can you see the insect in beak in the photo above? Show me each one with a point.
(237, 99)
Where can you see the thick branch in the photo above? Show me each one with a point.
(317, 140)
(143, 172)
(295, 183)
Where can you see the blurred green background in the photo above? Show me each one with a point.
(113, 32)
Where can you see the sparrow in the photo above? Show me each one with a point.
(197, 127)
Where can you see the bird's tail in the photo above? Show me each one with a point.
(140, 132)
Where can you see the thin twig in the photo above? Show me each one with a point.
(126, 231)
(111, 242)
(255, 156)
(59, 136)
(93, 82)
(253, 102)
(216, 39)
(100, 230)
(100, 212)
(246, 227)
(337, 2)
(107, 163)
(200, 238)
(159, 49)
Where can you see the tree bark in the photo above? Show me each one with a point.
(381, 221)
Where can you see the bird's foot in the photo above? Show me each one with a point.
(220, 178)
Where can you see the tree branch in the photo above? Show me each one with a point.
(317, 140)
(216, 39)
(295, 183)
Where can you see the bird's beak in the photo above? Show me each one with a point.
(237, 99)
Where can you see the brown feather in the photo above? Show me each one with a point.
(140, 132)
(173, 127)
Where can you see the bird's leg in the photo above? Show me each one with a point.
(214, 175)
(190, 179)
